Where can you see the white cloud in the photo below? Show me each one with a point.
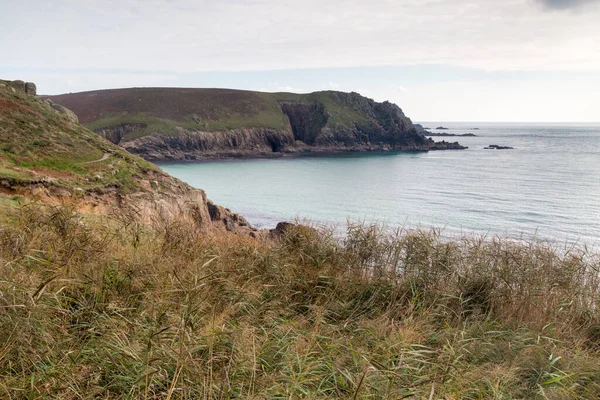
(276, 87)
(192, 35)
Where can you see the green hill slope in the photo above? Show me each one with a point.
(46, 154)
(40, 144)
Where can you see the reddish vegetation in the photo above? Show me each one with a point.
(10, 106)
(169, 103)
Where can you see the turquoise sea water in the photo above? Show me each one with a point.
(547, 187)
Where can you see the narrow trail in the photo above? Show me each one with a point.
(104, 157)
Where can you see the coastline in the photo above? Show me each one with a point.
(306, 152)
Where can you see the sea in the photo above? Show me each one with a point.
(546, 188)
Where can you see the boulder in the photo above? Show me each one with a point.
(30, 88)
(286, 228)
(22, 86)
(231, 221)
(64, 111)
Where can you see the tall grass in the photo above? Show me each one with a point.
(111, 308)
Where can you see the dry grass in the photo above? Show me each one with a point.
(110, 308)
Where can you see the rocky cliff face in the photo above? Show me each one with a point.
(307, 120)
(194, 145)
(178, 124)
(116, 133)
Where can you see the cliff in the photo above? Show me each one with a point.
(176, 124)
(46, 154)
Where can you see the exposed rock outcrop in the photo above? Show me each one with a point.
(224, 216)
(192, 145)
(26, 87)
(70, 115)
(30, 88)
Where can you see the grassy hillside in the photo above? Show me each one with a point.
(111, 309)
(38, 144)
(165, 109)
(45, 154)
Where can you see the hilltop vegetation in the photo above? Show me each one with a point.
(165, 109)
(180, 123)
(208, 109)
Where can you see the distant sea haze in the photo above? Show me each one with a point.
(547, 187)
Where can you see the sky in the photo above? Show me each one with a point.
(439, 60)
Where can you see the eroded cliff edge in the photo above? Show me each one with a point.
(190, 124)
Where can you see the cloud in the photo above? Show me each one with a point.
(240, 35)
(277, 87)
(401, 89)
(565, 4)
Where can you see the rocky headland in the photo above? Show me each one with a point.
(163, 124)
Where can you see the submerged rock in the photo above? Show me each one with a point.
(497, 147)
(450, 134)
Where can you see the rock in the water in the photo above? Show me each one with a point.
(449, 134)
(441, 128)
(496, 147)
(443, 145)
